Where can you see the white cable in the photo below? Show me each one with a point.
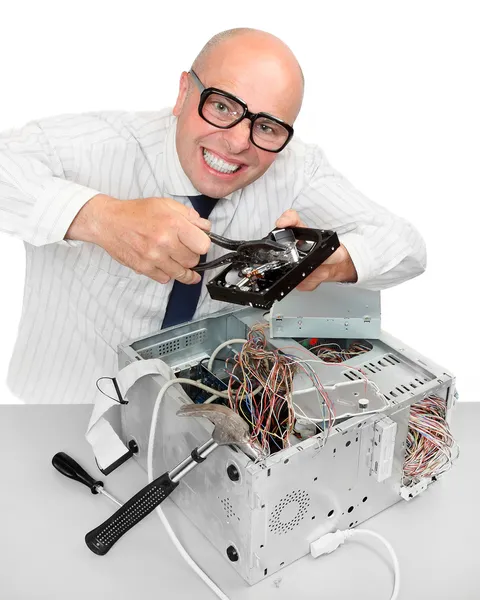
(210, 399)
(304, 391)
(218, 348)
(331, 541)
(386, 543)
(342, 416)
(202, 386)
(151, 443)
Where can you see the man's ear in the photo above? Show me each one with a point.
(182, 94)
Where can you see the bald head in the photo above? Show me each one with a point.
(255, 51)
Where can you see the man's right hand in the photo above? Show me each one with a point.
(157, 237)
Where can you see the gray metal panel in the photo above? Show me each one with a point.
(332, 310)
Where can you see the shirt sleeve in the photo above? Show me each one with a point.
(385, 248)
(37, 202)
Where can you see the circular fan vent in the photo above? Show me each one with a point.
(288, 513)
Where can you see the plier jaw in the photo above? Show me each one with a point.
(246, 252)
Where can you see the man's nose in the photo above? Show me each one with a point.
(238, 137)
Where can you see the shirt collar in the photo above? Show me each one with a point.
(175, 179)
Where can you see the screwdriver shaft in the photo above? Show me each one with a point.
(110, 497)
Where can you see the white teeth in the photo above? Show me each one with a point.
(217, 163)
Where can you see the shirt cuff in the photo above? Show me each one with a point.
(360, 255)
(55, 209)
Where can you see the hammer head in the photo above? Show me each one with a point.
(230, 428)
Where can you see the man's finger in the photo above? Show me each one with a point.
(188, 277)
(193, 238)
(158, 275)
(176, 271)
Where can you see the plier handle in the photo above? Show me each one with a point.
(256, 251)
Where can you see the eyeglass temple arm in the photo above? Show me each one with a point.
(197, 81)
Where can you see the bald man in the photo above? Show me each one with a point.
(114, 207)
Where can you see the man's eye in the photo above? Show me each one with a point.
(265, 129)
(220, 107)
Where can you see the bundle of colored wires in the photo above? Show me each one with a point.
(334, 353)
(430, 448)
(259, 389)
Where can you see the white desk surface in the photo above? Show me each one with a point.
(44, 517)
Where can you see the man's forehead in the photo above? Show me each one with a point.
(260, 93)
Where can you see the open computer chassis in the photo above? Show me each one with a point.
(263, 516)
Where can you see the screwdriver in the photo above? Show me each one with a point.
(69, 467)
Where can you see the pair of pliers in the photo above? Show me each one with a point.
(254, 251)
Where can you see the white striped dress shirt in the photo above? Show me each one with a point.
(79, 303)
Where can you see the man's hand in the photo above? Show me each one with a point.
(337, 267)
(157, 237)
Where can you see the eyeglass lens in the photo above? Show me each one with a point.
(222, 111)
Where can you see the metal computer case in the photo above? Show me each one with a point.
(278, 506)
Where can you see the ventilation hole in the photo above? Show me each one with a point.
(261, 545)
(334, 450)
(348, 443)
(351, 525)
(315, 478)
(268, 472)
(405, 388)
(299, 501)
(371, 370)
(313, 517)
(393, 394)
(265, 572)
(350, 509)
(401, 391)
(393, 357)
(281, 564)
(286, 461)
(365, 499)
(348, 377)
(225, 502)
(389, 360)
(183, 341)
(420, 382)
(331, 513)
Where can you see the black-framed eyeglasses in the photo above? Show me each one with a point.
(225, 110)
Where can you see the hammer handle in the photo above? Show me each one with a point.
(103, 537)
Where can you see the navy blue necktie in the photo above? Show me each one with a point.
(183, 299)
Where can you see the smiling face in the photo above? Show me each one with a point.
(262, 71)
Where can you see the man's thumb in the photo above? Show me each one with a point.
(289, 218)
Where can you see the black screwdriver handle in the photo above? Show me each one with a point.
(70, 468)
(102, 538)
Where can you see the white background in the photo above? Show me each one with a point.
(392, 97)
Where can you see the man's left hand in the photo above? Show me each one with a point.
(337, 267)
